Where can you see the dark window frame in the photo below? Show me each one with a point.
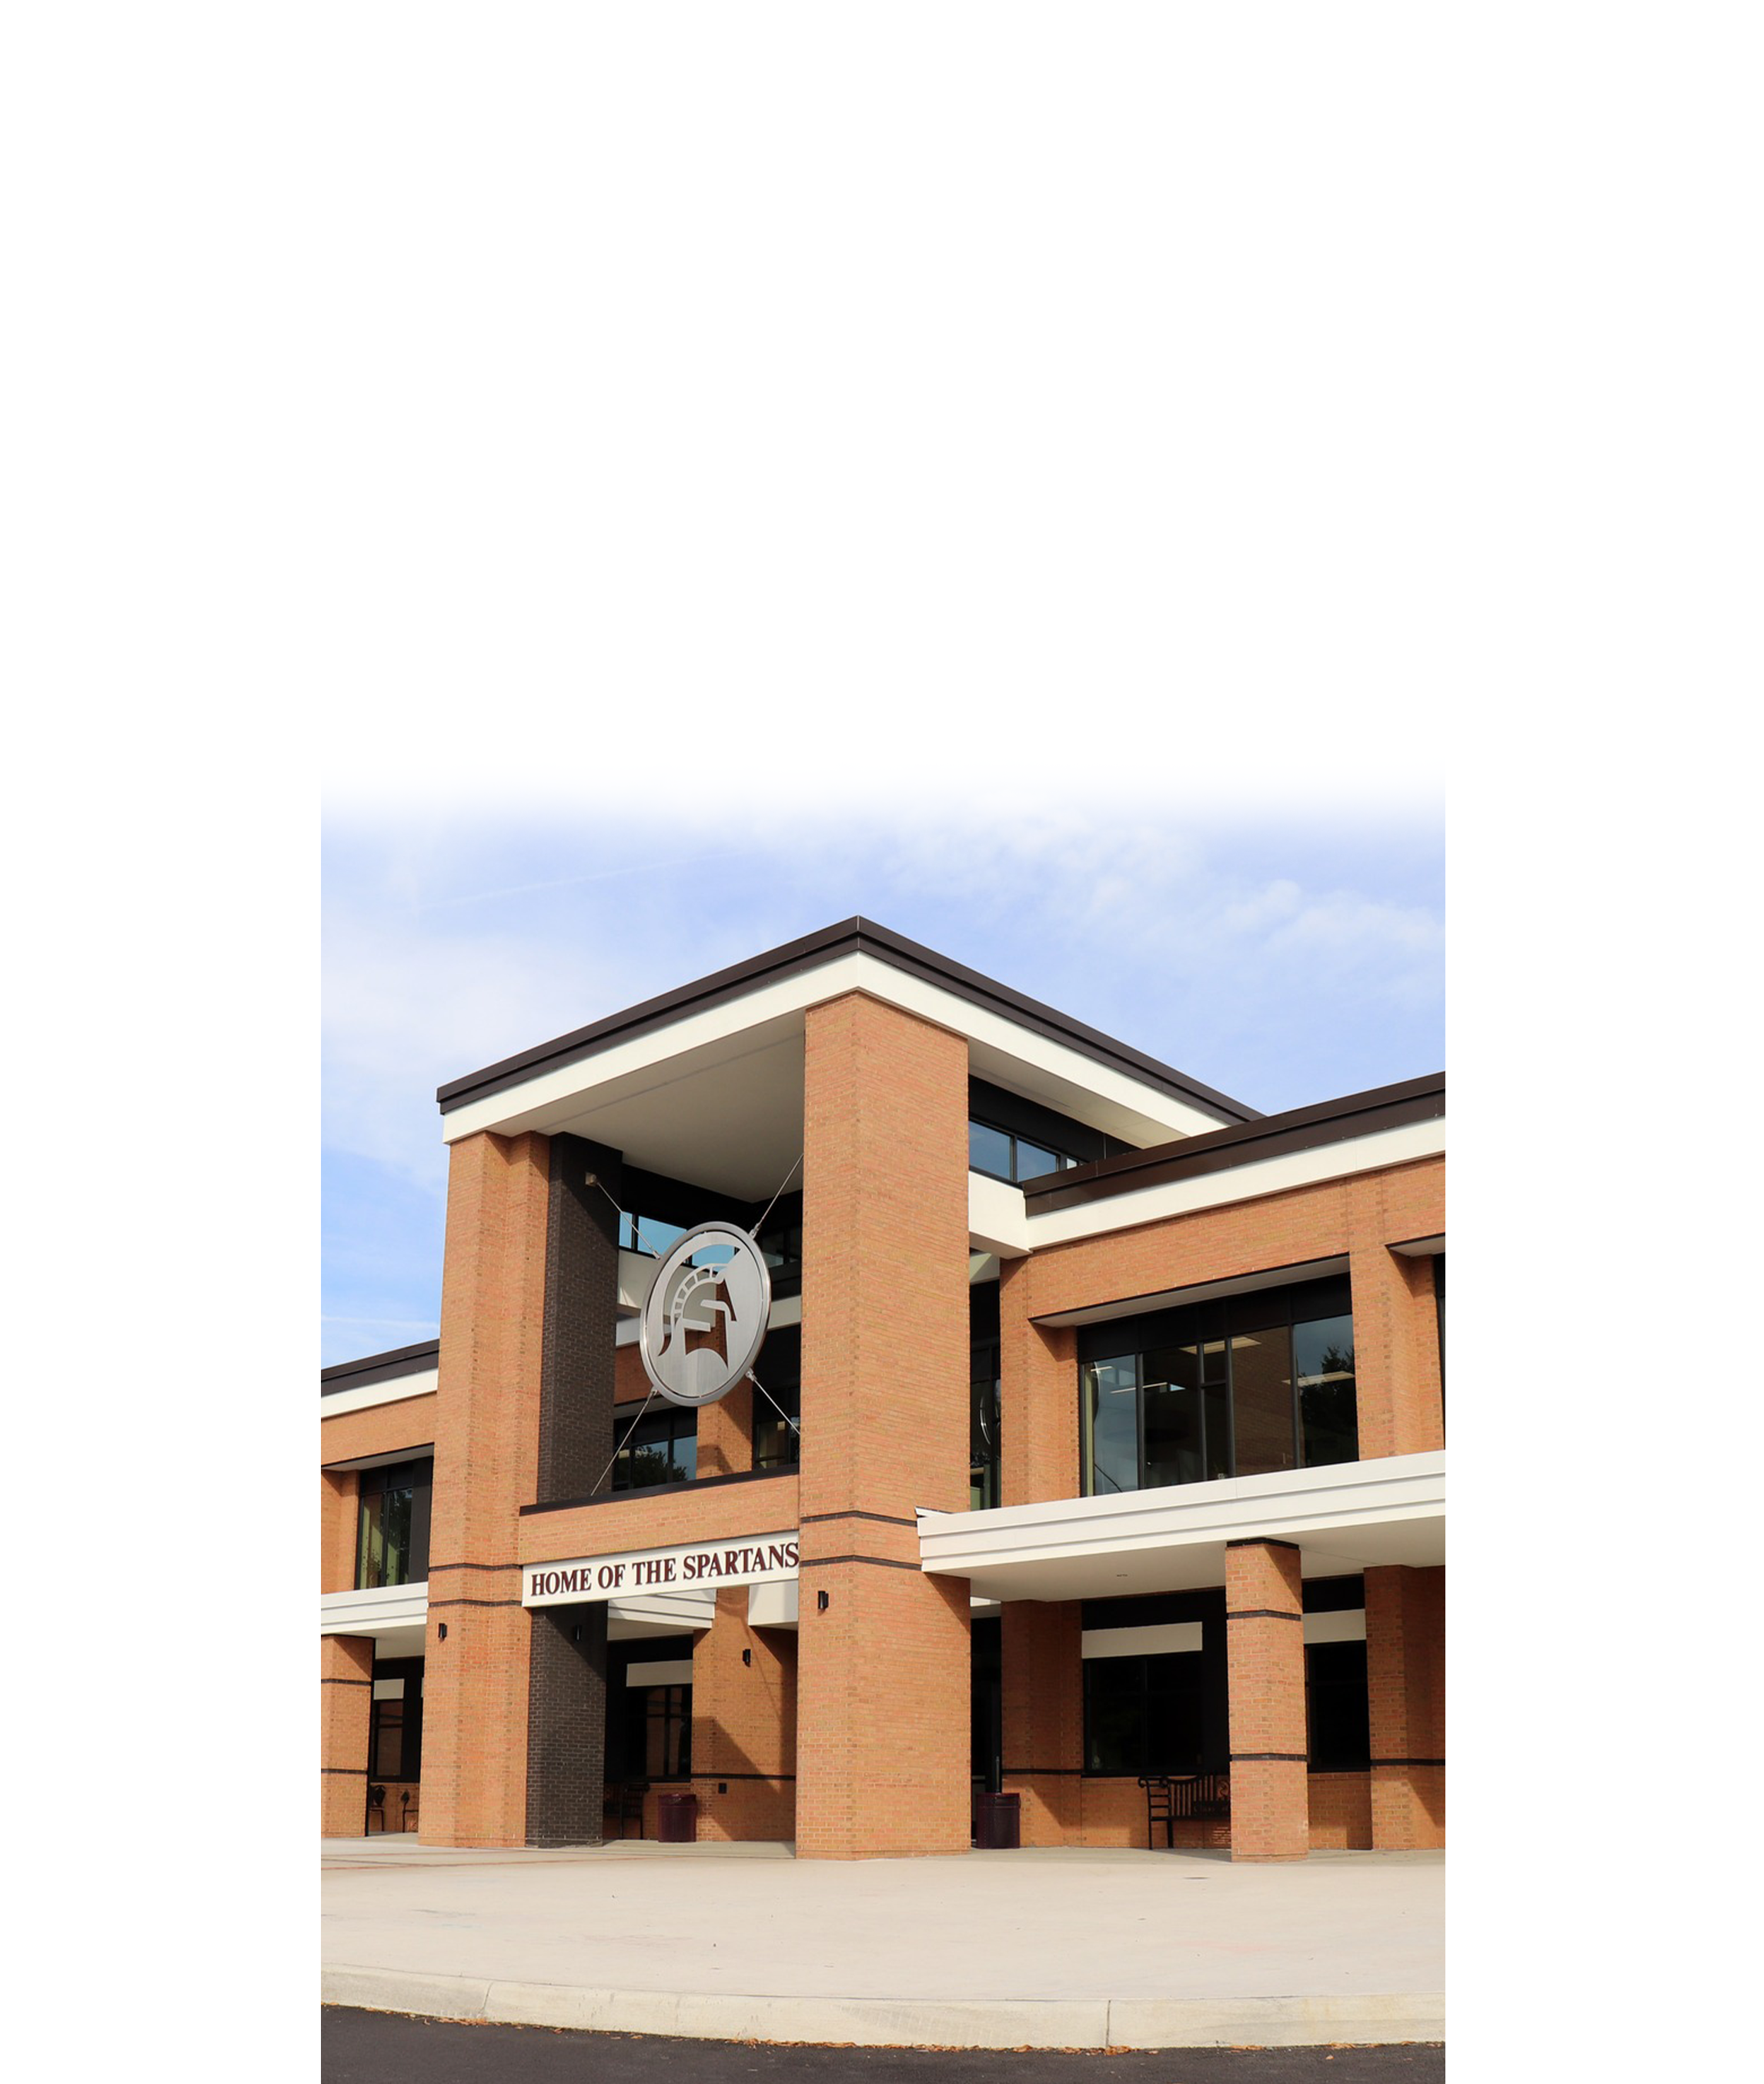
(1065, 1161)
(674, 1422)
(1224, 1321)
(416, 1475)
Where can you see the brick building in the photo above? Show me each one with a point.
(1097, 1436)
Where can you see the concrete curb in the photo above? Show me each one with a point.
(1295, 2021)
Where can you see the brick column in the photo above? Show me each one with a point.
(726, 1430)
(1044, 1716)
(1037, 1397)
(1405, 1681)
(1265, 1654)
(339, 1520)
(744, 1726)
(486, 1463)
(345, 1703)
(1396, 1333)
(884, 1663)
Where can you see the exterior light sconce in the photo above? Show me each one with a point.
(747, 1657)
(575, 1634)
(821, 1601)
(441, 1632)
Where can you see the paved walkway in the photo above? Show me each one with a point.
(1042, 1949)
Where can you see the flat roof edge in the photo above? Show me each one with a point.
(1309, 1128)
(380, 1367)
(853, 936)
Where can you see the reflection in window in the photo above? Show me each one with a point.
(1246, 1386)
(1143, 1714)
(1006, 1156)
(663, 1449)
(658, 1732)
(392, 1543)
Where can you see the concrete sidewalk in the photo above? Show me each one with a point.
(1033, 1949)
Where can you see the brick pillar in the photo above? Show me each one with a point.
(744, 1726)
(1037, 1397)
(1044, 1716)
(1265, 1654)
(346, 1703)
(487, 1462)
(1396, 1335)
(566, 1725)
(884, 1665)
(339, 1519)
(1405, 1681)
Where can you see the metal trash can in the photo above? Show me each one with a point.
(676, 1818)
(1001, 1822)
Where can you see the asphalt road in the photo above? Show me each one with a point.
(387, 2047)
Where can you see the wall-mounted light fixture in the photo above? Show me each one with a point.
(747, 1657)
(821, 1601)
(441, 1632)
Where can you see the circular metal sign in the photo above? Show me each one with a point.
(704, 1318)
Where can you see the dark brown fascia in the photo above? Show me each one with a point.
(380, 1367)
(1222, 1150)
(855, 936)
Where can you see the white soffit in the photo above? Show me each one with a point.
(1349, 1627)
(371, 1612)
(1242, 1183)
(612, 1093)
(1204, 1291)
(660, 1671)
(1161, 1640)
(371, 1393)
(776, 1605)
(660, 1613)
(1351, 1517)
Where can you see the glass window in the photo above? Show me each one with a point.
(1008, 1157)
(1323, 1362)
(663, 1449)
(983, 1428)
(658, 1731)
(645, 1234)
(776, 1444)
(1143, 1714)
(1246, 1386)
(393, 1542)
(1336, 1713)
(1111, 1425)
(989, 1150)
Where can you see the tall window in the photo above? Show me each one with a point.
(395, 1731)
(776, 1444)
(658, 1733)
(392, 1545)
(663, 1449)
(1143, 1714)
(1338, 1714)
(1240, 1386)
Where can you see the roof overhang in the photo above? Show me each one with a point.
(716, 1067)
(1354, 1516)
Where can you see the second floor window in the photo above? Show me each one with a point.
(1009, 1156)
(663, 1449)
(1244, 1386)
(392, 1543)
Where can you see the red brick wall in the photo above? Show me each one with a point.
(1341, 1805)
(1405, 1683)
(743, 1726)
(474, 1779)
(1395, 1328)
(382, 1429)
(346, 1703)
(1042, 1701)
(883, 1670)
(1264, 1655)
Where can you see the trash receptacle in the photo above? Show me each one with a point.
(677, 1819)
(1001, 1823)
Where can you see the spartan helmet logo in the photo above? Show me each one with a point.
(704, 1318)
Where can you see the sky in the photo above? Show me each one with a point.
(1281, 959)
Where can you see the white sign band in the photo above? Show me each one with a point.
(747, 1559)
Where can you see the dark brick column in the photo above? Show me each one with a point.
(566, 1686)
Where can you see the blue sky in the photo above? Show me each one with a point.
(1282, 959)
